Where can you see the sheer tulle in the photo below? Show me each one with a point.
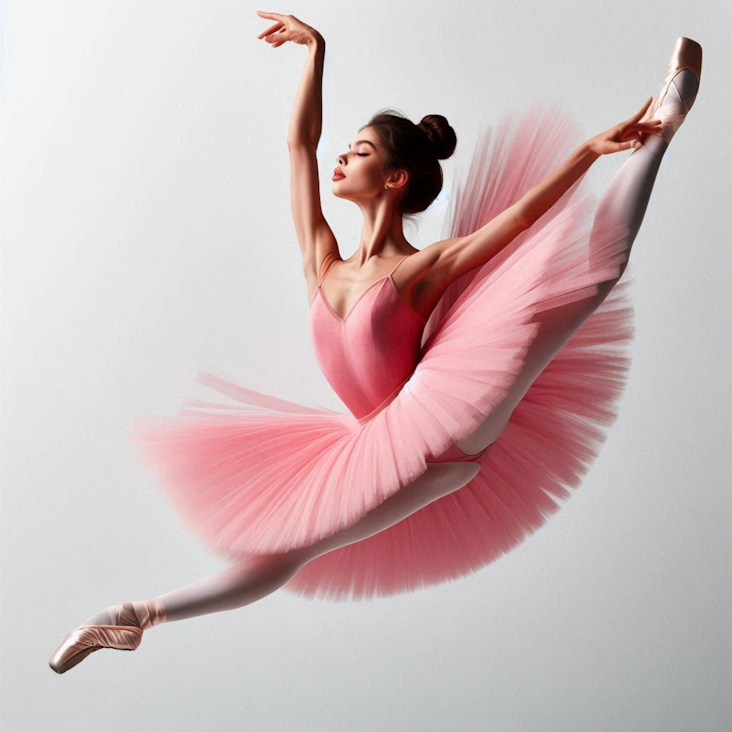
(269, 475)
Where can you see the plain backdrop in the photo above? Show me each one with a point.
(147, 233)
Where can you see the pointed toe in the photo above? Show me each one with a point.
(86, 639)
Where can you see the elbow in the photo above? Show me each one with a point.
(524, 218)
(302, 143)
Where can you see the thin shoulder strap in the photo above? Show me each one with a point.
(329, 263)
(399, 262)
(326, 268)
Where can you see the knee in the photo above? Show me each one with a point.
(451, 477)
(283, 563)
(604, 288)
(463, 473)
(474, 470)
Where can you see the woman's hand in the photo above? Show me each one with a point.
(287, 28)
(625, 135)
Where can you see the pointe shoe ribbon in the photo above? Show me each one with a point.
(687, 55)
(672, 115)
(142, 613)
(130, 620)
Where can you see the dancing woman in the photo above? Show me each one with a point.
(475, 370)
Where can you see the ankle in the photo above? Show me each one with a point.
(149, 612)
(142, 614)
(676, 103)
(683, 88)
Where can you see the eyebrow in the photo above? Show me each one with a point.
(366, 141)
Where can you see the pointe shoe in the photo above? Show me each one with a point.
(687, 54)
(129, 621)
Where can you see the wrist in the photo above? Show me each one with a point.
(316, 42)
(587, 150)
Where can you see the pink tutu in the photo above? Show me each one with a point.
(266, 475)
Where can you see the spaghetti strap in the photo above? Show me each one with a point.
(399, 262)
(258, 474)
(326, 269)
(329, 264)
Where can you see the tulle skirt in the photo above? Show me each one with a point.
(260, 474)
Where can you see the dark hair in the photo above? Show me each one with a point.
(418, 150)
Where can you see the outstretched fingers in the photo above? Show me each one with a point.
(271, 29)
(640, 112)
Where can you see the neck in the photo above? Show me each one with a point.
(382, 234)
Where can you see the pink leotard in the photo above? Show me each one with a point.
(368, 354)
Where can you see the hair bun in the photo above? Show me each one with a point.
(440, 134)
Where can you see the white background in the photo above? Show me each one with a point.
(146, 233)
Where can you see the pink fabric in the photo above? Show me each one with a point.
(267, 475)
(368, 354)
(371, 352)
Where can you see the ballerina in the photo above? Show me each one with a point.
(443, 463)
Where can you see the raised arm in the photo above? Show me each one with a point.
(461, 254)
(454, 257)
(313, 232)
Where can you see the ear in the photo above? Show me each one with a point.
(398, 179)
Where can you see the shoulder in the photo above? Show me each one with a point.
(317, 269)
(425, 264)
(424, 276)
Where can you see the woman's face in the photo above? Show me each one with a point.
(361, 165)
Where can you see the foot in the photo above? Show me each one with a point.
(678, 93)
(119, 627)
(140, 614)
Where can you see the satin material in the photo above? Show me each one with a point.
(124, 633)
(686, 55)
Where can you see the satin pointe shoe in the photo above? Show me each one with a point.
(686, 55)
(129, 621)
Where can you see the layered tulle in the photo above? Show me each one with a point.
(268, 475)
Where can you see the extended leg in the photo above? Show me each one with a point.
(256, 576)
(624, 202)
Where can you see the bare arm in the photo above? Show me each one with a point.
(452, 258)
(306, 123)
(537, 201)
(473, 250)
(313, 232)
(438, 265)
(446, 261)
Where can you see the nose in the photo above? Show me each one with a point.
(341, 160)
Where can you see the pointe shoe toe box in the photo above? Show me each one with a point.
(686, 55)
(82, 641)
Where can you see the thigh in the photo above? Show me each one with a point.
(557, 326)
(437, 481)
